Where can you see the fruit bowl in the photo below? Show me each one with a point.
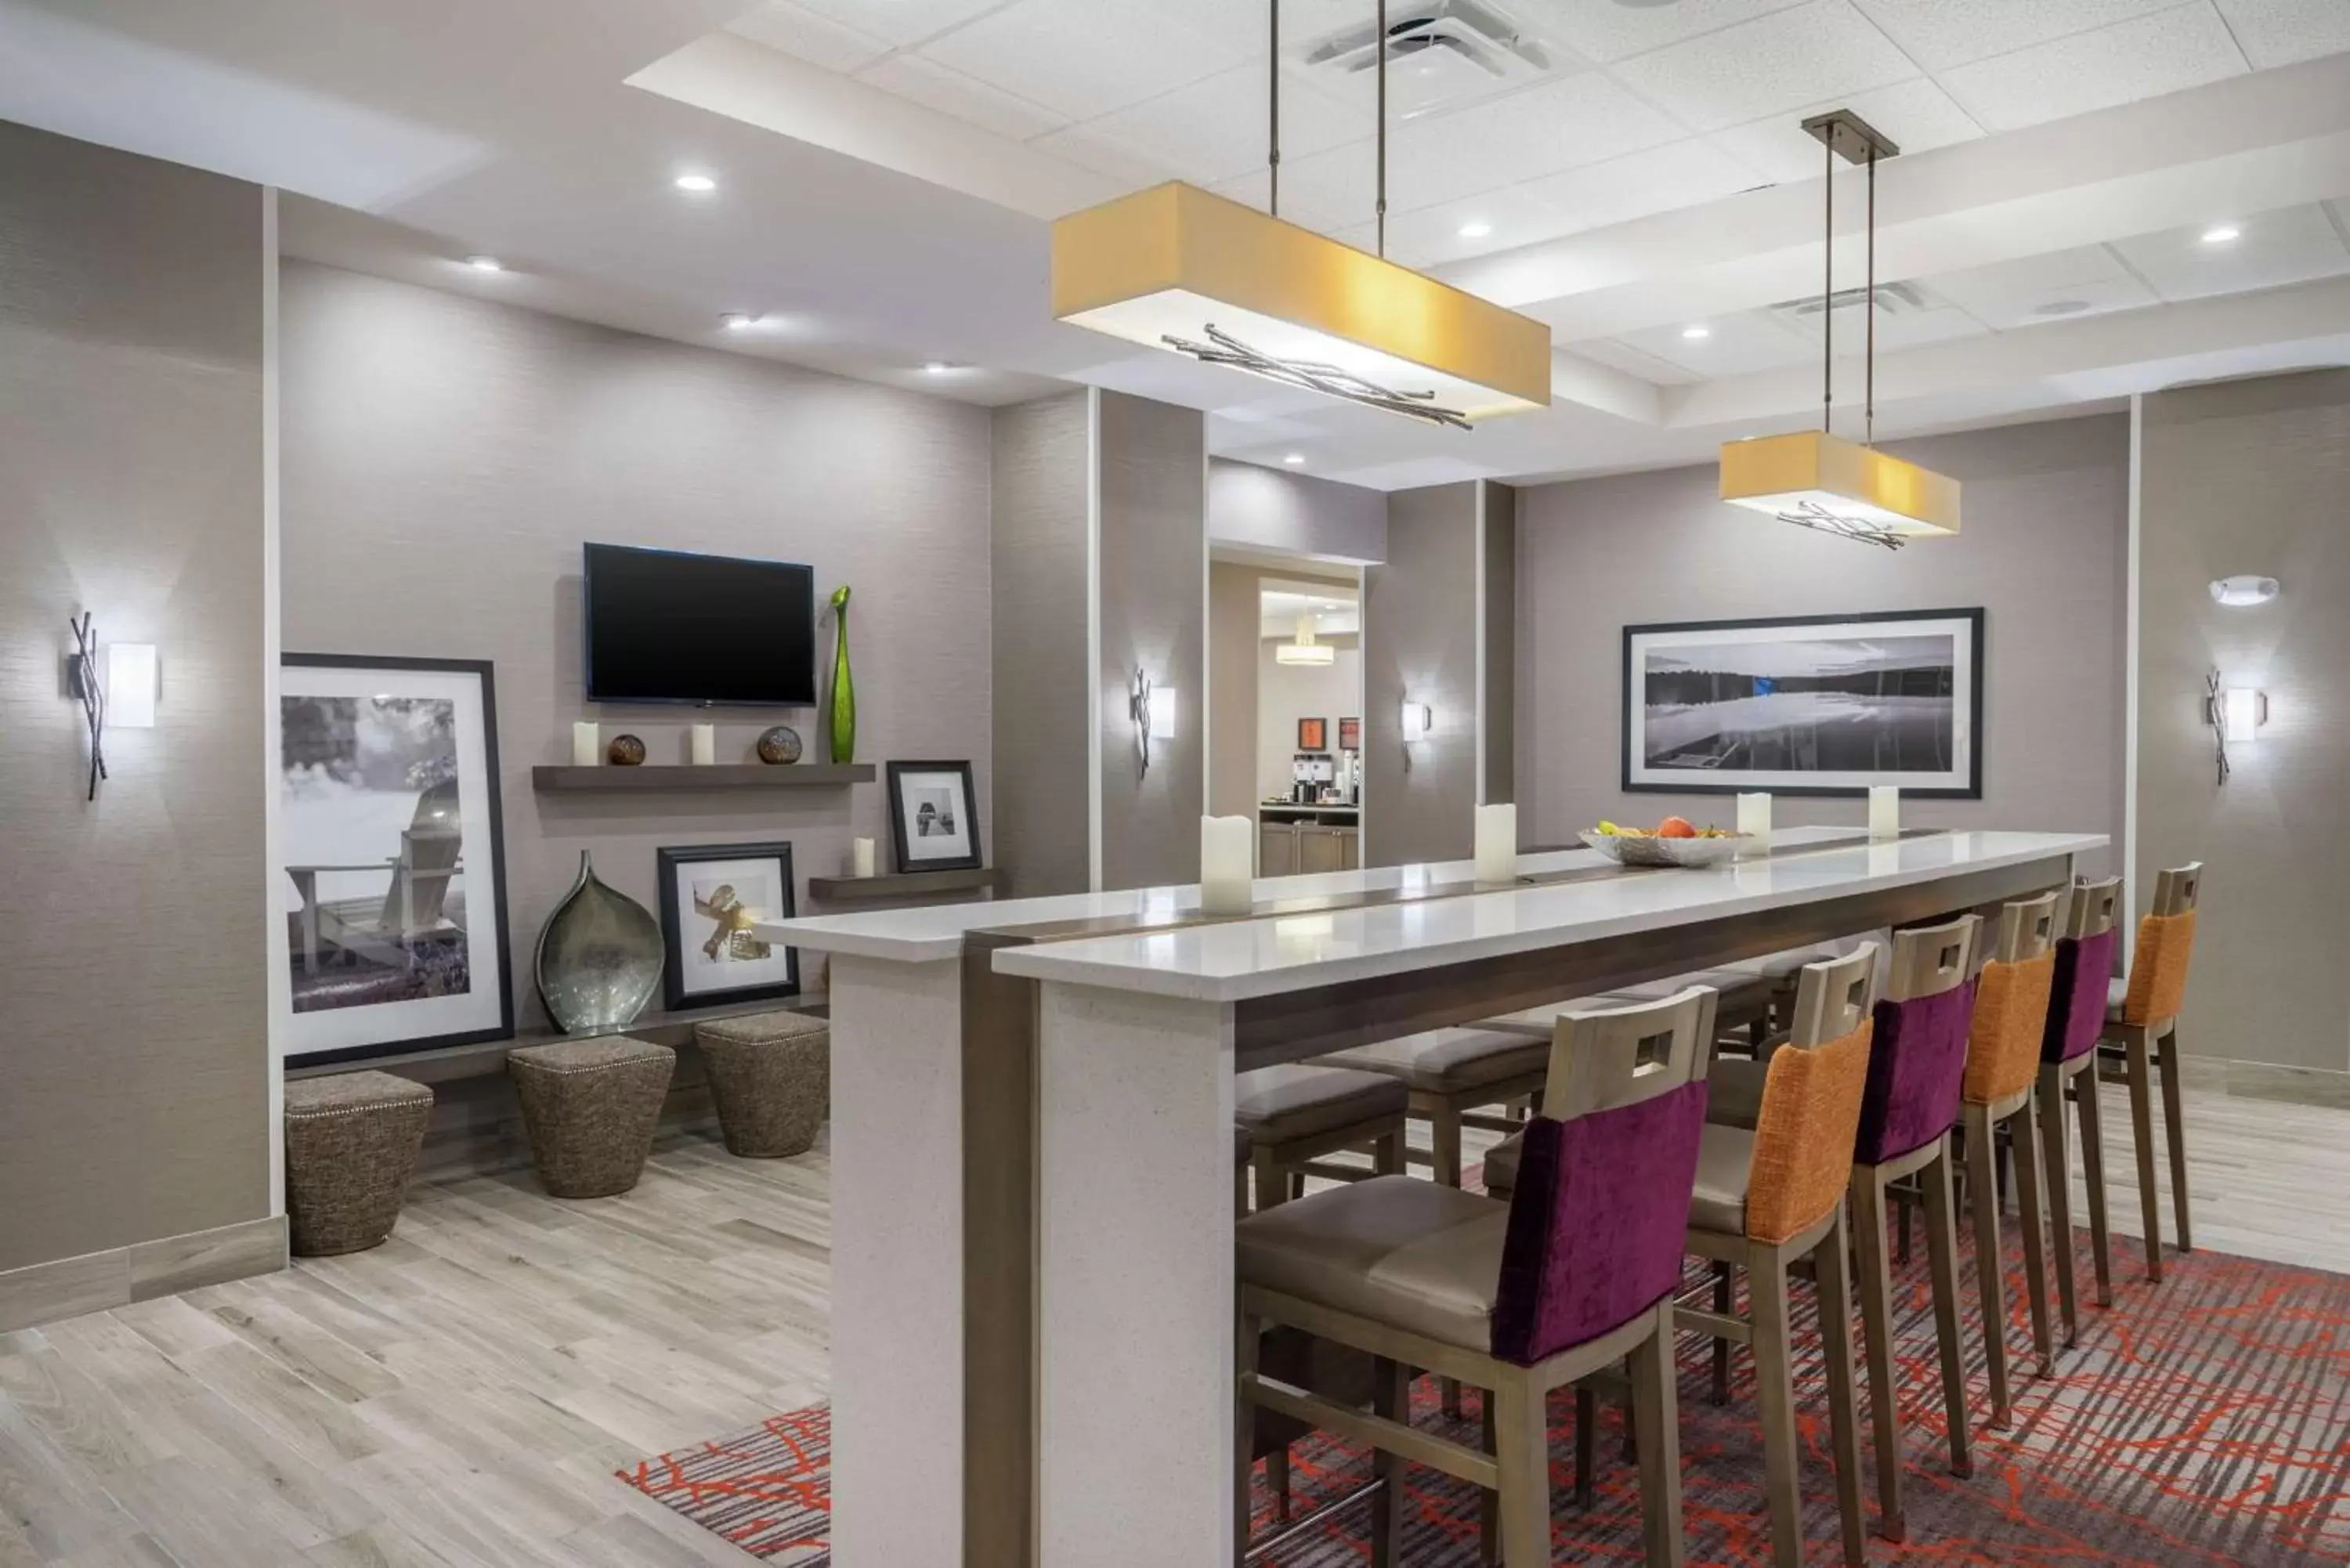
(1649, 850)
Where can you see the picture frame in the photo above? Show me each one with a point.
(1350, 734)
(934, 816)
(707, 893)
(1806, 705)
(1313, 734)
(392, 856)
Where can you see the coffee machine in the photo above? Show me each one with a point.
(1313, 777)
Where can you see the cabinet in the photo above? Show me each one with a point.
(1305, 846)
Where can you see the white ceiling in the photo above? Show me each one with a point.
(1334, 610)
(886, 169)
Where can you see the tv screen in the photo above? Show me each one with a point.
(664, 626)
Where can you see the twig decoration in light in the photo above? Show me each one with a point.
(1223, 349)
(88, 686)
(2215, 714)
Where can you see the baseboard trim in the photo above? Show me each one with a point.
(99, 1282)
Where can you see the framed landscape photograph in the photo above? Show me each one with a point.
(933, 817)
(712, 895)
(1807, 704)
(394, 869)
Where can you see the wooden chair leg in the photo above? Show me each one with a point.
(2056, 1164)
(1901, 1225)
(1272, 1181)
(1775, 1387)
(1586, 1448)
(1724, 1288)
(2089, 1106)
(1488, 1503)
(1876, 1320)
(1444, 1136)
(1387, 1154)
(1942, 1262)
(1524, 1460)
(2030, 1184)
(1391, 1397)
(1657, 1417)
(2141, 1094)
(1831, 1263)
(1989, 1273)
(2174, 1126)
(1246, 1336)
(1276, 1481)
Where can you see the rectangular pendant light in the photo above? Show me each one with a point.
(1174, 267)
(1821, 482)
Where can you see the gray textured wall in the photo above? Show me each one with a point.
(2250, 476)
(1042, 667)
(1500, 597)
(1154, 565)
(444, 458)
(1293, 513)
(1234, 621)
(2043, 550)
(1419, 640)
(134, 1076)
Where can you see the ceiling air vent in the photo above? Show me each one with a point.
(1893, 299)
(1440, 53)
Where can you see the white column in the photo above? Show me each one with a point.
(897, 1262)
(1136, 1305)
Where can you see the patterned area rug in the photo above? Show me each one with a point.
(2202, 1424)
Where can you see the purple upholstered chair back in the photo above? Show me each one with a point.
(1602, 1200)
(1920, 1059)
(2084, 963)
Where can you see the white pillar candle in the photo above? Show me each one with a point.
(1227, 865)
(860, 857)
(1885, 811)
(1497, 844)
(705, 744)
(1754, 815)
(587, 745)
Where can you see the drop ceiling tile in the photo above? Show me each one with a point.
(927, 82)
(1918, 115)
(1339, 185)
(1736, 345)
(901, 21)
(817, 39)
(2181, 48)
(1564, 124)
(1215, 128)
(2280, 32)
(1898, 326)
(1618, 355)
(2290, 245)
(1769, 65)
(1660, 180)
(2033, 290)
(1104, 155)
(1938, 34)
(1253, 190)
(1613, 32)
(1512, 216)
(1083, 57)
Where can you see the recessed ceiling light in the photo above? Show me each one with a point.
(2222, 234)
(700, 184)
(1294, 459)
(1695, 332)
(485, 263)
(736, 320)
(938, 367)
(1475, 228)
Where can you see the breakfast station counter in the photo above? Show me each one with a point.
(1032, 1147)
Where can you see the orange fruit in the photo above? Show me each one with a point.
(1676, 827)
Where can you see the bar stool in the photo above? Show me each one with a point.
(1448, 1074)
(2077, 1016)
(2002, 1072)
(1295, 1113)
(1770, 1199)
(2142, 1014)
(1572, 1275)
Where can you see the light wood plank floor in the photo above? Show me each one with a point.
(461, 1396)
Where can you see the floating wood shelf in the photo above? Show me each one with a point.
(903, 885)
(724, 776)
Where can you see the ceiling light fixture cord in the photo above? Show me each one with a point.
(1382, 42)
(1868, 394)
(1827, 295)
(1273, 154)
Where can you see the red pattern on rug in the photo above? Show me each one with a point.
(2204, 1423)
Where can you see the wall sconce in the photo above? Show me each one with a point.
(2235, 713)
(2243, 592)
(130, 672)
(1418, 719)
(1153, 709)
(82, 679)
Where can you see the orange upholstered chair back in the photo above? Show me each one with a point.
(1811, 1102)
(2012, 1002)
(2166, 942)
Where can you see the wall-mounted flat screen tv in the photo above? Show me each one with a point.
(664, 626)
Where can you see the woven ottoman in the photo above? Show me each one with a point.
(590, 1107)
(771, 1074)
(351, 1146)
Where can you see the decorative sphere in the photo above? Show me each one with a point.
(780, 744)
(625, 752)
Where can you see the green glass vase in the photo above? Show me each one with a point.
(844, 690)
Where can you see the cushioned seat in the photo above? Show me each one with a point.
(1298, 1100)
(1401, 1252)
(1725, 979)
(1784, 965)
(1445, 1061)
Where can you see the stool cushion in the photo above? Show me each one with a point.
(759, 1029)
(604, 1052)
(1299, 1100)
(771, 1075)
(1396, 1250)
(590, 1107)
(1785, 965)
(346, 1092)
(1447, 1061)
(351, 1142)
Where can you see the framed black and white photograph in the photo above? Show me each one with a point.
(394, 860)
(933, 817)
(712, 897)
(1807, 704)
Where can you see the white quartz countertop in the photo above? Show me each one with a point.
(1272, 954)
